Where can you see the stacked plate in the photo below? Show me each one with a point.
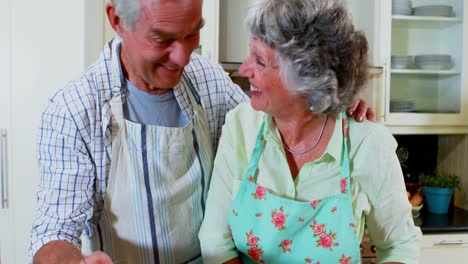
(433, 61)
(433, 10)
(401, 62)
(399, 105)
(402, 7)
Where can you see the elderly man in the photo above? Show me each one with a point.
(126, 151)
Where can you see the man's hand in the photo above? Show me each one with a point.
(97, 257)
(61, 251)
(359, 110)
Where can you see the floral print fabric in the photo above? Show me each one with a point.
(271, 229)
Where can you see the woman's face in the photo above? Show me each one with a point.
(269, 94)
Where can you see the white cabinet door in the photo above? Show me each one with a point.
(445, 248)
(418, 93)
(365, 15)
(43, 45)
(233, 35)
(209, 39)
(6, 236)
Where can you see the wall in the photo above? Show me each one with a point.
(453, 158)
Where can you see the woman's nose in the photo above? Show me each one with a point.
(245, 69)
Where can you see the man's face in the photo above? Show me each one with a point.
(155, 52)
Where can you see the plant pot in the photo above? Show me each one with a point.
(437, 199)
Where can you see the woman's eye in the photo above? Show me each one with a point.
(259, 62)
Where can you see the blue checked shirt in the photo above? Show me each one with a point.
(74, 144)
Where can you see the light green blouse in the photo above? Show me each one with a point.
(377, 186)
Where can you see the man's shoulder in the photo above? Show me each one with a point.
(84, 94)
(197, 59)
(213, 83)
(202, 68)
(244, 117)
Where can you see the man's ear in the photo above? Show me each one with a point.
(114, 19)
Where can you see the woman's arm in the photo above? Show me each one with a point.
(389, 222)
(231, 161)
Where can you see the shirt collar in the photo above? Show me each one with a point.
(108, 57)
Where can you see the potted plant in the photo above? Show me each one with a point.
(438, 190)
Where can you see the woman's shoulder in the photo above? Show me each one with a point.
(372, 153)
(371, 133)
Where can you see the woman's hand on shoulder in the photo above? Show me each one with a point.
(360, 110)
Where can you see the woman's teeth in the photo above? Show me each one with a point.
(254, 89)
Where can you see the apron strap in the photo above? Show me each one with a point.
(260, 144)
(193, 94)
(118, 91)
(345, 167)
(257, 152)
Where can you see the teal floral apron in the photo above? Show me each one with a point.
(271, 229)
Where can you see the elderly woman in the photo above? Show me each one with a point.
(294, 180)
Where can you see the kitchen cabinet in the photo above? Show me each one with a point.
(225, 37)
(43, 45)
(435, 101)
(424, 96)
(444, 248)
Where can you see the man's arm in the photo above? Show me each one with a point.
(65, 192)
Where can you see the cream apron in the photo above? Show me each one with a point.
(157, 187)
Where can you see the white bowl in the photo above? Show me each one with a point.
(433, 10)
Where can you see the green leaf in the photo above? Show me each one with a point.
(441, 180)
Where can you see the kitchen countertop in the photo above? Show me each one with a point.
(455, 221)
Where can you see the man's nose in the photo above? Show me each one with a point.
(180, 54)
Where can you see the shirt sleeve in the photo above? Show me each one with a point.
(235, 95)
(65, 192)
(389, 221)
(216, 241)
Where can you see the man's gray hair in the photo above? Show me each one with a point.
(320, 53)
(129, 11)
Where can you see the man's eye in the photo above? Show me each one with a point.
(192, 35)
(161, 41)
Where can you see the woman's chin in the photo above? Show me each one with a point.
(256, 106)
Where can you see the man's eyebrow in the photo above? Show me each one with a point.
(165, 34)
